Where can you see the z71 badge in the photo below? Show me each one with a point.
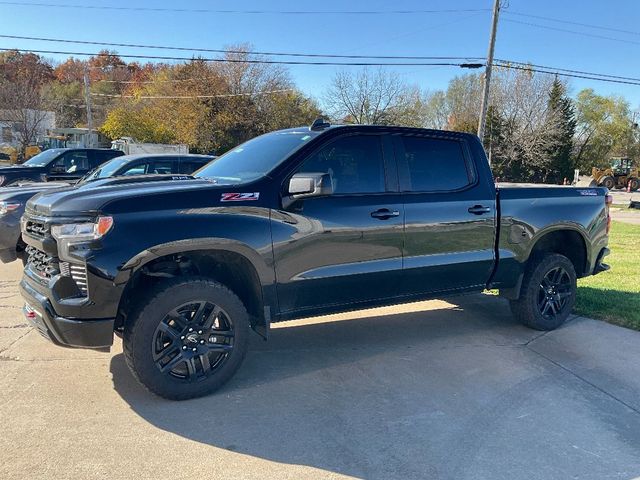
(239, 197)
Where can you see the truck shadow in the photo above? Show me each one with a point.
(349, 397)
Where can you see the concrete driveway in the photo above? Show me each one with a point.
(437, 390)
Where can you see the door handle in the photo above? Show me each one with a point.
(479, 209)
(385, 214)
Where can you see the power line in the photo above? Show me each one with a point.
(214, 50)
(251, 60)
(605, 75)
(569, 22)
(574, 32)
(561, 74)
(505, 64)
(250, 12)
(180, 97)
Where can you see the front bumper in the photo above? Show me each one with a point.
(62, 331)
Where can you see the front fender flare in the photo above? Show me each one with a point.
(265, 272)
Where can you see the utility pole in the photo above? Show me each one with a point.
(487, 74)
(87, 101)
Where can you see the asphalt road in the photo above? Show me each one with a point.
(436, 390)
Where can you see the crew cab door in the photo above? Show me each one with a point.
(345, 247)
(449, 208)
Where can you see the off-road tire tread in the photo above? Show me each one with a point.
(524, 308)
(139, 310)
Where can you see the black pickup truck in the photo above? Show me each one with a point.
(295, 223)
(56, 164)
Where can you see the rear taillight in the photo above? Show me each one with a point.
(608, 200)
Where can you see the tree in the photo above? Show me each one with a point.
(22, 77)
(561, 128)
(240, 99)
(605, 128)
(373, 97)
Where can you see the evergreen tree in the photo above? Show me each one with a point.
(561, 128)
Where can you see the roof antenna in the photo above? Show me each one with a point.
(319, 124)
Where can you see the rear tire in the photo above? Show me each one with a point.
(608, 182)
(188, 339)
(548, 292)
(635, 184)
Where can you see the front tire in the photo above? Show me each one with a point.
(188, 339)
(548, 292)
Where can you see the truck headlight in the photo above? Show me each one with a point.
(6, 207)
(69, 234)
(82, 231)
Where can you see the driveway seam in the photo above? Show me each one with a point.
(579, 377)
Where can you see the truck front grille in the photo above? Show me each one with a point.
(36, 228)
(41, 263)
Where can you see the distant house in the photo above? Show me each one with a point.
(12, 126)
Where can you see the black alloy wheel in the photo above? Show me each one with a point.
(554, 293)
(193, 341)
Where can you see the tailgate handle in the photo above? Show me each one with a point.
(385, 214)
(479, 209)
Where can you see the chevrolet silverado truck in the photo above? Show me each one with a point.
(294, 223)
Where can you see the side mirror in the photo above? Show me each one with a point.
(305, 185)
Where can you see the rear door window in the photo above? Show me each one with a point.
(435, 164)
(189, 166)
(164, 166)
(137, 169)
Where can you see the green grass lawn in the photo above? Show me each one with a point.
(614, 296)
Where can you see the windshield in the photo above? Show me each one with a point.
(105, 170)
(43, 159)
(255, 158)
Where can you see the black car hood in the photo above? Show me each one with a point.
(13, 169)
(133, 192)
(24, 192)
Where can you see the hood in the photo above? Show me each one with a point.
(26, 191)
(111, 195)
(15, 169)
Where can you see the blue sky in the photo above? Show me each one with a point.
(457, 33)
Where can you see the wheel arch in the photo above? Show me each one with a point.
(569, 241)
(232, 263)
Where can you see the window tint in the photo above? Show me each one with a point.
(138, 169)
(71, 162)
(190, 166)
(355, 164)
(164, 166)
(435, 164)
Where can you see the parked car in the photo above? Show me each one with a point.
(14, 198)
(56, 164)
(295, 223)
